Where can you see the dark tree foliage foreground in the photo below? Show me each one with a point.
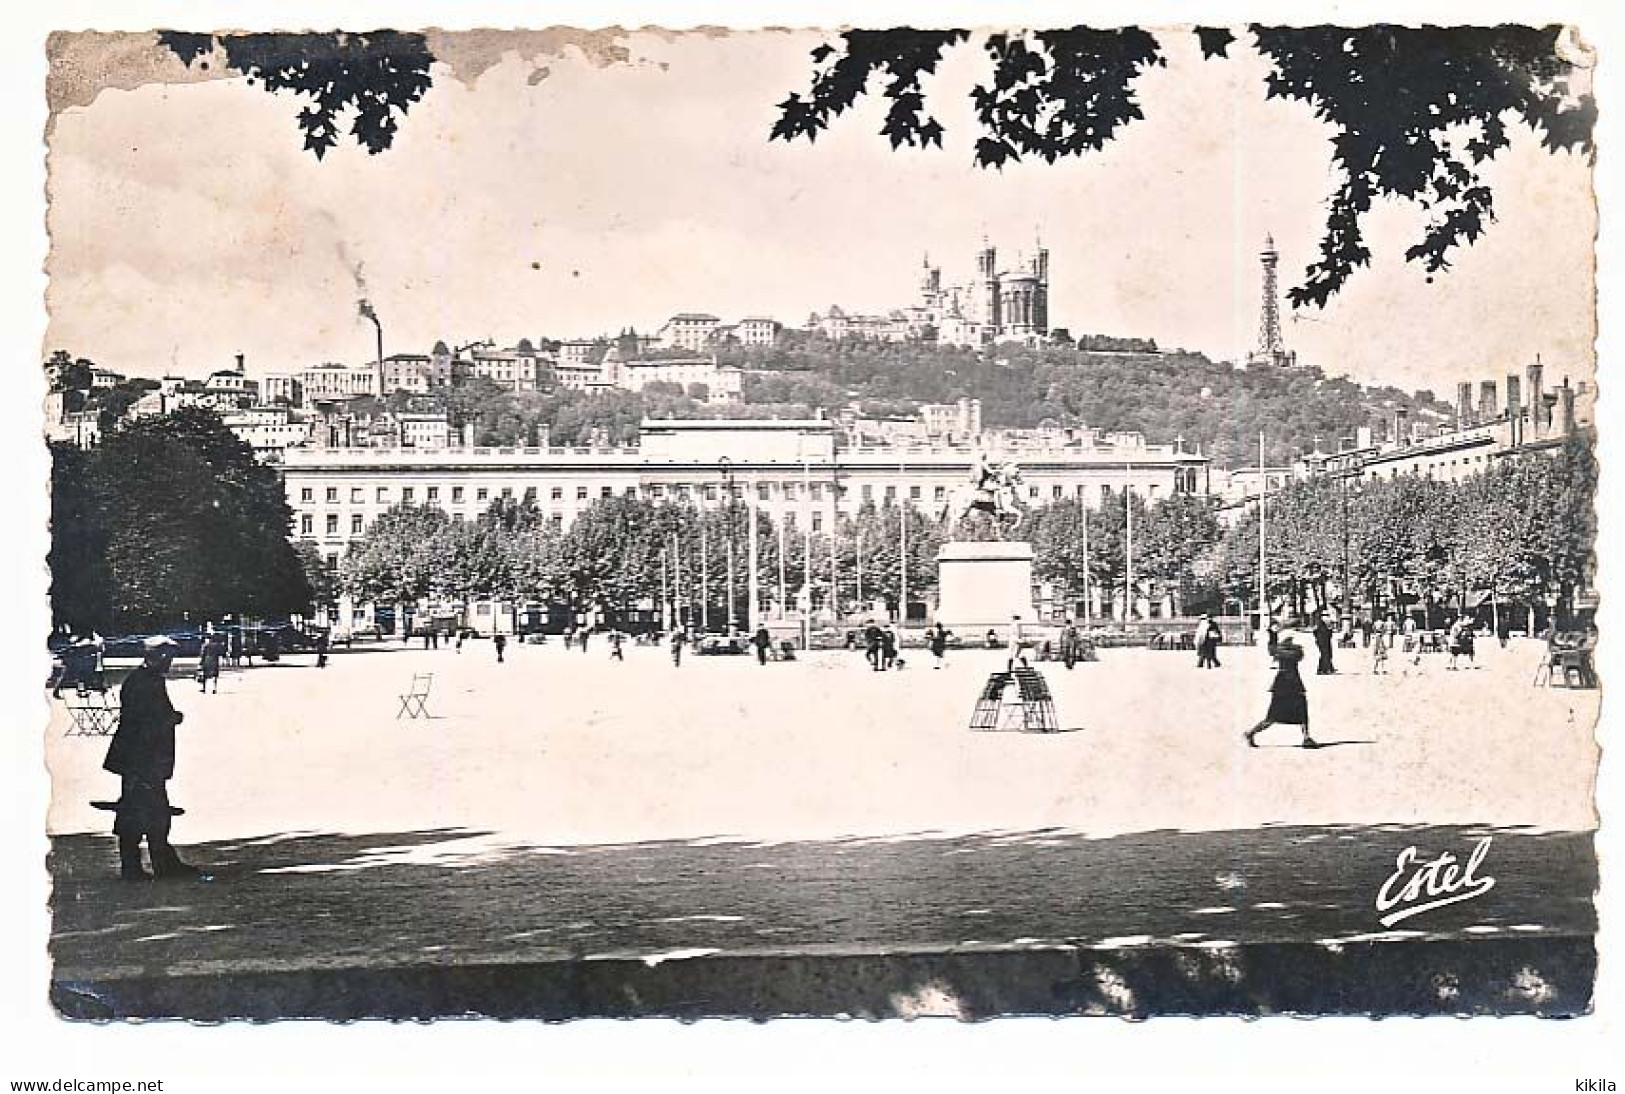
(1415, 112)
(374, 75)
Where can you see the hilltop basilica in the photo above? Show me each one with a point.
(995, 306)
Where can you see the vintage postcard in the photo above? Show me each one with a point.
(878, 522)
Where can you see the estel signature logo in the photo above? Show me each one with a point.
(1416, 887)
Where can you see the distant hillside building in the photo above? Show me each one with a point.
(689, 330)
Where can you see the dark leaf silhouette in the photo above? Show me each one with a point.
(1215, 41)
(372, 76)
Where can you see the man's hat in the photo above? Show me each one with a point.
(1288, 641)
(159, 642)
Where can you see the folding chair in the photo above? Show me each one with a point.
(1037, 705)
(412, 702)
(986, 714)
(92, 714)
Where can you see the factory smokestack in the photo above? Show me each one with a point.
(364, 307)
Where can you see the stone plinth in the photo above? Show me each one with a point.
(984, 584)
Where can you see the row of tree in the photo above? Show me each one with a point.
(622, 553)
(1520, 532)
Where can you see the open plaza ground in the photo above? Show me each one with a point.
(566, 811)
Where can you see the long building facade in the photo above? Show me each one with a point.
(793, 469)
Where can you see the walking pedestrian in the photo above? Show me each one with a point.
(679, 639)
(500, 641)
(938, 639)
(1452, 643)
(208, 663)
(1379, 647)
(888, 648)
(1468, 634)
(323, 641)
(1272, 637)
(1019, 645)
(584, 633)
(461, 633)
(1323, 643)
(1208, 636)
(763, 642)
(234, 647)
(871, 644)
(142, 755)
(616, 641)
(1289, 702)
(78, 667)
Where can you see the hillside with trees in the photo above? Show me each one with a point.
(1165, 395)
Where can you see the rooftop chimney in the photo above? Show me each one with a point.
(239, 362)
(1464, 405)
(1514, 409)
(1566, 423)
(1486, 401)
(1537, 403)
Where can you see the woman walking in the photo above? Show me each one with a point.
(1379, 648)
(1289, 702)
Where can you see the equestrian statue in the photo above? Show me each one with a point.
(991, 490)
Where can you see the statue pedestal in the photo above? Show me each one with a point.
(984, 584)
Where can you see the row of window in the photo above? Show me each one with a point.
(358, 522)
(1418, 468)
(710, 492)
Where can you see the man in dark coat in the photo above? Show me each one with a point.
(939, 644)
(143, 756)
(762, 641)
(871, 644)
(1289, 702)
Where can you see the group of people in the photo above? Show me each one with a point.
(880, 647)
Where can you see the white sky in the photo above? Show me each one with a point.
(187, 223)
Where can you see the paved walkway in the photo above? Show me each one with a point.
(663, 832)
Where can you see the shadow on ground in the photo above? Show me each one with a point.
(454, 922)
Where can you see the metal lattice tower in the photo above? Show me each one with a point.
(1270, 343)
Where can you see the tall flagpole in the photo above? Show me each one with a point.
(705, 581)
(859, 534)
(1128, 543)
(665, 596)
(1263, 585)
(806, 535)
(1083, 506)
(783, 586)
(902, 546)
(752, 582)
